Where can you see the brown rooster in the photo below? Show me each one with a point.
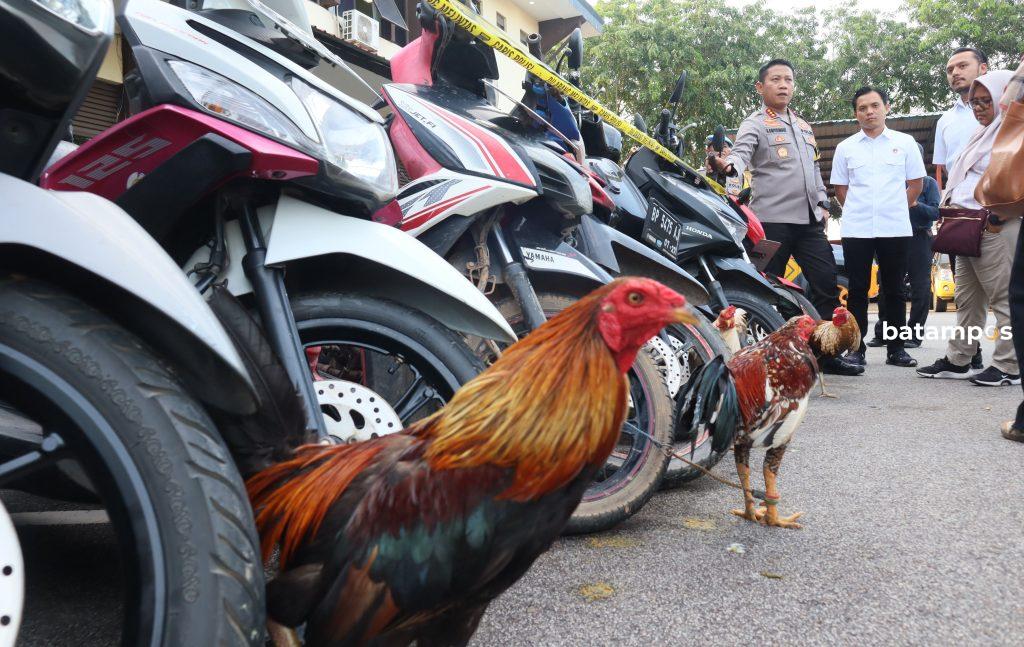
(833, 338)
(408, 537)
(759, 397)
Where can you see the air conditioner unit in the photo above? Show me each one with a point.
(360, 30)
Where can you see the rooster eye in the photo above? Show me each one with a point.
(635, 298)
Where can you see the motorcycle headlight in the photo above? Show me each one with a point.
(92, 16)
(351, 142)
(737, 229)
(232, 102)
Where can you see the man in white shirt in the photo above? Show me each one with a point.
(878, 175)
(957, 124)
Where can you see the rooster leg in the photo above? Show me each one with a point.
(283, 636)
(741, 451)
(821, 381)
(771, 517)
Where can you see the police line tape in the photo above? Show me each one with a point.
(486, 34)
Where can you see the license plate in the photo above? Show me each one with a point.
(661, 229)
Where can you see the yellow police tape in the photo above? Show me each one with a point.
(486, 34)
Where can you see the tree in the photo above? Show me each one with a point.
(633, 64)
(996, 27)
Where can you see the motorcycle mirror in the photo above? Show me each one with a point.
(718, 139)
(744, 196)
(639, 123)
(575, 46)
(533, 43)
(677, 93)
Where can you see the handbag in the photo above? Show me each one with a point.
(960, 231)
(1001, 189)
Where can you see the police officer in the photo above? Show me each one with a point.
(779, 149)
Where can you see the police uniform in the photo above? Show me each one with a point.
(781, 153)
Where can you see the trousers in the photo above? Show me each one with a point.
(919, 274)
(811, 249)
(892, 267)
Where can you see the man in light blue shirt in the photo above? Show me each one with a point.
(878, 175)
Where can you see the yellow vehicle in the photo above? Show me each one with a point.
(942, 282)
(795, 274)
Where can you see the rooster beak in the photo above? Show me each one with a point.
(684, 315)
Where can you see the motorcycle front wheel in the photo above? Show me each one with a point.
(636, 466)
(762, 318)
(168, 554)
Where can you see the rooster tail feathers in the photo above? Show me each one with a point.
(709, 400)
(278, 426)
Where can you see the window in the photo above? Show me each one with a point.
(524, 38)
(501, 22)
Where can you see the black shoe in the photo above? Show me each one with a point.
(900, 358)
(992, 376)
(874, 342)
(839, 366)
(976, 362)
(912, 343)
(855, 357)
(943, 368)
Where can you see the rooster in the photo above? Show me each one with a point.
(409, 536)
(732, 326)
(759, 397)
(833, 338)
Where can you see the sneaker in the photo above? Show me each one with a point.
(900, 358)
(855, 357)
(992, 376)
(976, 362)
(943, 368)
(874, 342)
(839, 366)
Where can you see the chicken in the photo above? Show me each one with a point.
(759, 397)
(833, 338)
(732, 326)
(409, 536)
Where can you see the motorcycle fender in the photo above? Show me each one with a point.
(622, 254)
(390, 264)
(130, 278)
(737, 267)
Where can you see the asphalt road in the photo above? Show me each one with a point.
(912, 535)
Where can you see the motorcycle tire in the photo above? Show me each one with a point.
(788, 310)
(187, 545)
(762, 318)
(700, 343)
(429, 354)
(614, 499)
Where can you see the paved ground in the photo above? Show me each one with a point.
(912, 535)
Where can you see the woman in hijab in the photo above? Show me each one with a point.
(984, 281)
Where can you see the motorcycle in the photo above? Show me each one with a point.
(618, 253)
(253, 173)
(110, 364)
(500, 203)
(688, 222)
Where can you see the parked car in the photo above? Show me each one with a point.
(942, 282)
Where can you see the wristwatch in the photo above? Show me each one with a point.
(995, 220)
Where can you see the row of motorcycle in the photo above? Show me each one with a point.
(383, 260)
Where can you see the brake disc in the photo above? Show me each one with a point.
(667, 359)
(353, 412)
(12, 580)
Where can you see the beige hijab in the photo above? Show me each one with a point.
(980, 143)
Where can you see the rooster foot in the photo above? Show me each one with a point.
(825, 394)
(779, 522)
(749, 515)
